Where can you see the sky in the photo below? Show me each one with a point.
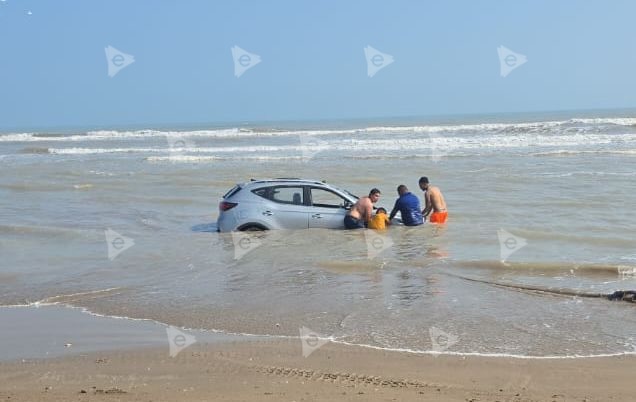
(54, 71)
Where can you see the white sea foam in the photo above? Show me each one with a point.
(566, 143)
(89, 151)
(566, 152)
(572, 125)
(198, 150)
(107, 135)
(195, 158)
(337, 340)
(583, 173)
(620, 121)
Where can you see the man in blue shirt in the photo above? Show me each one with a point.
(409, 207)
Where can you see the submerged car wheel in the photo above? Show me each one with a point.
(252, 227)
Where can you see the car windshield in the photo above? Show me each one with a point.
(351, 194)
(347, 192)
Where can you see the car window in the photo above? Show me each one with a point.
(326, 199)
(287, 195)
(261, 192)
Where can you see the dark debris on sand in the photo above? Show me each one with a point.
(623, 295)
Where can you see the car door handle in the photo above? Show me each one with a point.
(317, 216)
(268, 213)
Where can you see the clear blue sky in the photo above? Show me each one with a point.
(581, 55)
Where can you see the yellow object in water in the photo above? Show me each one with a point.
(379, 221)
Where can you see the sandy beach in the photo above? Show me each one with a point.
(277, 371)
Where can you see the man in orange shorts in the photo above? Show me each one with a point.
(434, 202)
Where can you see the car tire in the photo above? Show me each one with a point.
(252, 227)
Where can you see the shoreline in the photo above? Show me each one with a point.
(84, 331)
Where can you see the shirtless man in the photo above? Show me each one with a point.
(434, 201)
(361, 211)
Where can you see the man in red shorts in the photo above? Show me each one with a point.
(434, 202)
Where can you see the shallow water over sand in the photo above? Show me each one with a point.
(564, 190)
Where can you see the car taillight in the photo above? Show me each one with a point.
(226, 206)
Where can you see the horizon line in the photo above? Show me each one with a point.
(255, 122)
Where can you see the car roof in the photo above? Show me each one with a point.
(291, 180)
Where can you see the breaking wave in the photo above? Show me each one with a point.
(559, 126)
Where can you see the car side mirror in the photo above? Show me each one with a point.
(347, 204)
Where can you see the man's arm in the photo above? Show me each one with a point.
(428, 205)
(395, 209)
(369, 210)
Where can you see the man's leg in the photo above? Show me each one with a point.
(352, 223)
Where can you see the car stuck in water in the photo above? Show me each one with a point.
(284, 203)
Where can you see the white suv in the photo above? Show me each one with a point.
(283, 204)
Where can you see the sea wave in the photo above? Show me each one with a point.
(605, 143)
(556, 126)
(620, 121)
(46, 230)
(574, 152)
(586, 173)
(208, 158)
(551, 268)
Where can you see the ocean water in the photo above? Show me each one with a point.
(540, 201)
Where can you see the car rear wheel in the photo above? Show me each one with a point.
(252, 227)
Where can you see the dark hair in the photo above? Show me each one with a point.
(374, 191)
(402, 188)
(424, 179)
(381, 209)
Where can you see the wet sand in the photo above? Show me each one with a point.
(55, 353)
(277, 371)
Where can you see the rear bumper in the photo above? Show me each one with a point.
(226, 222)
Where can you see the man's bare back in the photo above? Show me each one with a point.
(360, 213)
(435, 198)
(362, 209)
